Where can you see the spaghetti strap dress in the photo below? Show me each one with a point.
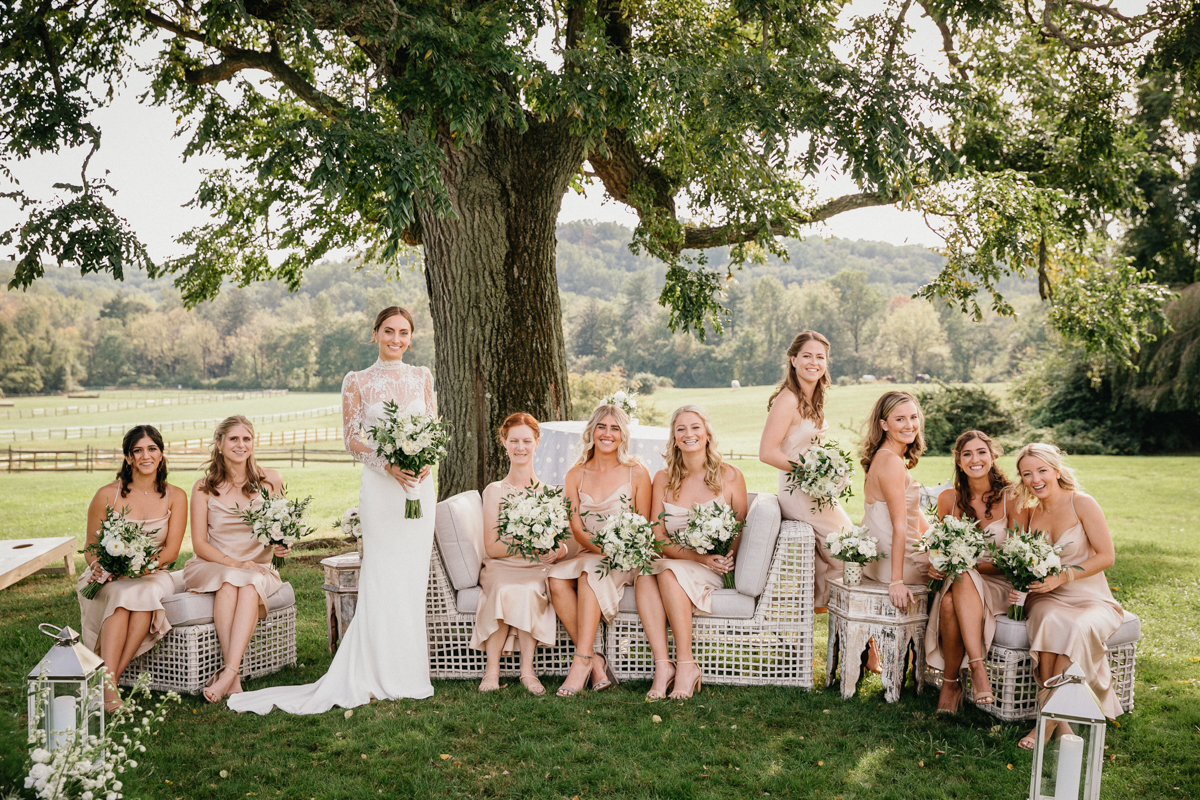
(1077, 619)
(878, 521)
(696, 580)
(795, 504)
(233, 538)
(595, 515)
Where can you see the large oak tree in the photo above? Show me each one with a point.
(458, 125)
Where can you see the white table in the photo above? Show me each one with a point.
(562, 442)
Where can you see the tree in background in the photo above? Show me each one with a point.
(913, 337)
(858, 306)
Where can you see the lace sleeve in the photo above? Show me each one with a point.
(353, 416)
(430, 409)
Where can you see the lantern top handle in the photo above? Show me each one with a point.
(1072, 698)
(64, 636)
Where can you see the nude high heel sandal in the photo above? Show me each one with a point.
(985, 698)
(653, 696)
(696, 686)
(952, 709)
(564, 691)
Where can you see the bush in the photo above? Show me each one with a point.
(589, 387)
(647, 382)
(950, 410)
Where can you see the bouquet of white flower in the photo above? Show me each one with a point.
(710, 529)
(627, 542)
(626, 401)
(534, 521)
(1025, 558)
(823, 472)
(123, 549)
(277, 521)
(954, 546)
(411, 442)
(351, 523)
(855, 545)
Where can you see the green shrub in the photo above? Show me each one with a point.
(950, 410)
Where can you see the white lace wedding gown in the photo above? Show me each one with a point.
(385, 654)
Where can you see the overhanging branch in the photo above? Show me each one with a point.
(698, 238)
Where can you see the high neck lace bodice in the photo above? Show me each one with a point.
(365, 392)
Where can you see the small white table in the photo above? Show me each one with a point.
(20, 558)
(561, 443)
(860, 613)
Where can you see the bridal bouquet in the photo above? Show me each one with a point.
(1025, 558)
(351, 523)
(710, 529)
(277, 521)
(412, 442)
(626, 401)
(123, 549)
(534, 521)
(954, 546)
(627, 542)
(855, 546)
(822, 472)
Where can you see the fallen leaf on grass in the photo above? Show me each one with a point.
(820, 763)
(1113, 757)
(456, 763)
(939, 752)
(656, 719)
(920, 763)
(224, 773)
(1010, 766)
(444, 756)
(1192, 658)
(364, 755)
(349, 713)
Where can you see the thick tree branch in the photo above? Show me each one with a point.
(1049, 28)
(628, 177)
(947, 41)
(698, 238)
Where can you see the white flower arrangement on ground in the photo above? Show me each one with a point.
(277, 521)
(1026, 557)
(627, 542)
(534, 521)
(90, 768)
(123, 549)
(855, 545)
(824, 472)
(954, 546)
(412, 442)
(351, 523)
(710, 529)
(626, 401)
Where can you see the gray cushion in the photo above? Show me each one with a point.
(190, 608)
(1012, 635)
(757, 546)
(467, 600)
(458, 525)
(727, 603)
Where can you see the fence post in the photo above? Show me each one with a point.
(303, 455)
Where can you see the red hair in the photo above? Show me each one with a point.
(519, 418)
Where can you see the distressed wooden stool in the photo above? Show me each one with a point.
(341, 594)
(860, 613)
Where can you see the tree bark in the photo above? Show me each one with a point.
(493, 293)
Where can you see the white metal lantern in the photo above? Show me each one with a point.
(1073, 762)
(66, 691)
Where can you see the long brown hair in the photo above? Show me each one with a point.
(999, 484)
(876, 436)
(125, 473)
(677, 470)
(814, 409)
(215, 471)
(589, 432)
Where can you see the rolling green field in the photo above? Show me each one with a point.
(726, 743)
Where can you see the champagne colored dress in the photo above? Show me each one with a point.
(232, 537)
(797, 505)
(877, 520)
(993, 591)
(1077, 618)
(595, 515)
(514, 592)
(697, 580)
(134, 594)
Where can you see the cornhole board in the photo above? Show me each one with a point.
(20, 558)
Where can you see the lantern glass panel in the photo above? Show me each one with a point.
(1065, 761)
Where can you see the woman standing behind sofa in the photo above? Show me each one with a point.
(229, 559)
(127, 617)
(795, 422)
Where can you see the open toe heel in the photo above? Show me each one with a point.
(985, 697)
(957, 704)
(653, 696)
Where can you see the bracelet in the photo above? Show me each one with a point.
(1070, 575)
(896, 583)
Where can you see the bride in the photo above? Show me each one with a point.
(384, 655)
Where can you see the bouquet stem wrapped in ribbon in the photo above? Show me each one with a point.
(534, 521)
(412, 442)
(824, 472)
(954, 546)
(627, 542)
(1025, 558)
(277, 521)
(124, 549)
(710, 529)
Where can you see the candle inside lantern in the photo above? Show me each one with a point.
(62, 722)
(1070, 763)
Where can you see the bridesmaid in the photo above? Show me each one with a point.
(795, 422)
(228, 559)
(683, 580)
(1069, 617)
(127, 617)
(893, 445)
(581, 595)
(962, 618)
(514, 601)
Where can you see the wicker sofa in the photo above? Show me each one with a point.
(185, 658)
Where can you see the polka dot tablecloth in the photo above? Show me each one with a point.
(561, 444)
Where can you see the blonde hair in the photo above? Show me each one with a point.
(589, 432)
(1054, 459)
(677, 471)
(215, 471)
(876, 435)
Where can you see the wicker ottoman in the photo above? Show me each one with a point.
(189, 654)
(1010, 668)
(860, 613)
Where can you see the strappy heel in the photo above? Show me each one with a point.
(533, 685)
(484, 689)
(212, 680)
(953, 709)
(984, 698)
(696, 686)
(654, 697)
(610, 678)
(565, 691)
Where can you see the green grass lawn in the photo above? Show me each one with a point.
(726, 743)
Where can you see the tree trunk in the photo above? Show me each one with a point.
(493, 293)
